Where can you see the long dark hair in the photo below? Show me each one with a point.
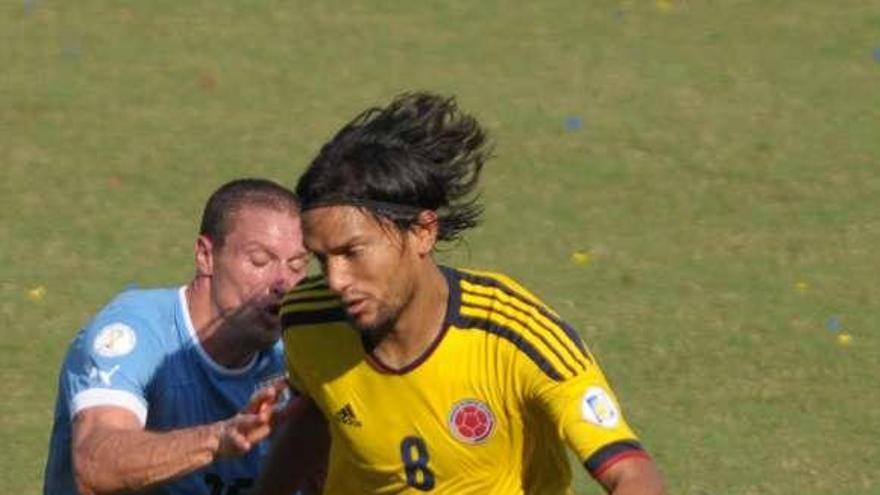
(418, 153)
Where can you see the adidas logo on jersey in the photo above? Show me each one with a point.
(346, 416)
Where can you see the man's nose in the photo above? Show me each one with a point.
(337, 276)
(285, 280)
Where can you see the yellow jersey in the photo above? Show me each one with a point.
(487, 409)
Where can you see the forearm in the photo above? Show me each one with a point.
(634, 476)
(639, 487)
(116, 460)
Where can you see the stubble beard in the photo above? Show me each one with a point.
(379, 328)
(387, 316)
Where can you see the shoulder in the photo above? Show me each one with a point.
(498, 305)
(133, 317)
(115, 357)
(144, 305)
(311, 303)
(488, 282)
(319, 341)
(314, 321)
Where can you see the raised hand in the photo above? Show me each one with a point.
(238, 434)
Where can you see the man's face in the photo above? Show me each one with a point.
(261, 259)
(372, 266)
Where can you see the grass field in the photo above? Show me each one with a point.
(717, 164)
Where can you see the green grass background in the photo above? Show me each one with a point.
(724, 182)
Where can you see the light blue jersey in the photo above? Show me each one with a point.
(141, 353)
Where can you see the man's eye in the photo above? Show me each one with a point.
(260, 260)
(298, 264)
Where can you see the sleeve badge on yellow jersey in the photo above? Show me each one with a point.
(471, 421)
(114, 340)
(598, 408)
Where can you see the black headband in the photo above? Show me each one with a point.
(376, 206)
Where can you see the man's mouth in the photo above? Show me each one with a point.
(355, 306)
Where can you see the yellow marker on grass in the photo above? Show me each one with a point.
(37, 293)
(580, 258)
(664, 5)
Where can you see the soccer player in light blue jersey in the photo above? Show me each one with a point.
(174, 390)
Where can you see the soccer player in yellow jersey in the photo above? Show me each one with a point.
(425, 378)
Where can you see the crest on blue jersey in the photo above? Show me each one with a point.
(114, 340)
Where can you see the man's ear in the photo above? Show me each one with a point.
(204, 254)
(425, 232)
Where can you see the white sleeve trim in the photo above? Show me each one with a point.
(109, 397)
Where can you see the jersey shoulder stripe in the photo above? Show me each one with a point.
(508, 286)
(494, 302)
(528, 329)
(310, 303)
(494, 279)
(516, 339)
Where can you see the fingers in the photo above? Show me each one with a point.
(267, 397)
(234, 443)
(255, 421)
(239, 434)
(252, 427)
(263, 400)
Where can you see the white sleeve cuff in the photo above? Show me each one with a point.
(109, 397)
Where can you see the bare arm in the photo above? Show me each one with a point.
(112, 452)
(633, 476)
(299, 452)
